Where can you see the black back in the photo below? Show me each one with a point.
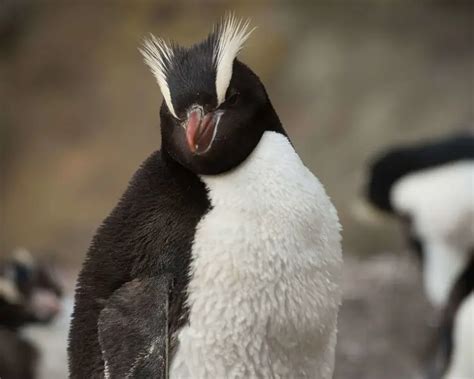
(388, 167)
(148, 234)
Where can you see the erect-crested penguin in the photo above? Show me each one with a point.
(223, 257)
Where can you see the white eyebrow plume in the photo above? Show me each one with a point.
(231, 34)
(158, 56)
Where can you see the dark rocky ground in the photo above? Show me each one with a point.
(384, 324)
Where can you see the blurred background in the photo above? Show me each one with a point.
(79, 113)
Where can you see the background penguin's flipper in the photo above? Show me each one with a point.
(133, 329)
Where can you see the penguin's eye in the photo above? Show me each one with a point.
(232, 99)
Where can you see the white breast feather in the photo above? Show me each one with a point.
(266, 262)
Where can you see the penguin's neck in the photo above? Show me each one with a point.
(179, 173)
(272, 164)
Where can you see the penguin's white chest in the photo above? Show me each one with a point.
(266, 261)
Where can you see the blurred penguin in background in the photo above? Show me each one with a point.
(30, 293)
(429, 187)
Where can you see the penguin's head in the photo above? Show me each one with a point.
(374, 206)
(215, 108)
(384, 172)
(393, 164)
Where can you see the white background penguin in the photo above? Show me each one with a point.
(30, 291)
(224, 250)
(430, 187)
(30, 294)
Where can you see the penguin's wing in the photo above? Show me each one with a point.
(133, 329)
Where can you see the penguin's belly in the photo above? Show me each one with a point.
(266, 261)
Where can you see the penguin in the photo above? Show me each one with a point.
(223, 257)
(30, 294)
(429, 187)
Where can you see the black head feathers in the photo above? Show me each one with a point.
(390, 166)
(215, 108)
(204, 69)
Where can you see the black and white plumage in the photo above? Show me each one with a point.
(29, 294)
(429, 186)
(30, 291)
(224, 244)
(392, 165)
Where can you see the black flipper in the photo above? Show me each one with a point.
(133, 329)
